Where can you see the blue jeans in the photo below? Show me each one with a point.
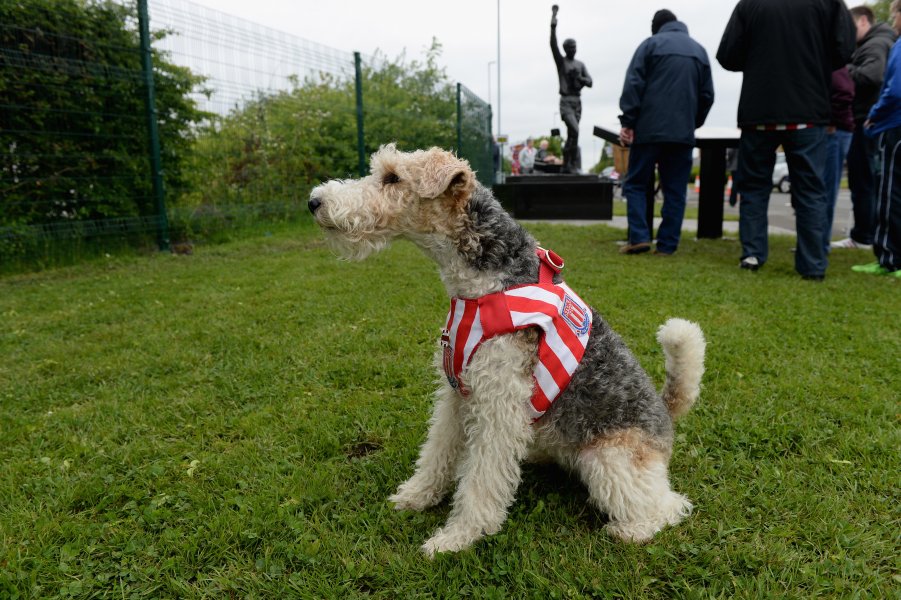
(863, 171)
(837, 144)
(674, 163)
(805, 153)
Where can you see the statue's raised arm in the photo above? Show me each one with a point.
(555, 50)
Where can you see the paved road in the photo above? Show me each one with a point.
(781, 215)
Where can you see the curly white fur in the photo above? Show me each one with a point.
(684, 346)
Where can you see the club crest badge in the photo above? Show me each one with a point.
(576, 315)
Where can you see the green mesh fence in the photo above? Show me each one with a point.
(73, 141)
(250, 119)
(474, 135)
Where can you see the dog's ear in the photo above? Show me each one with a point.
(445, 174)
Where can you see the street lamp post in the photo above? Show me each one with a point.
(490, 62)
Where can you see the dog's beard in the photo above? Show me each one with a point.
(352, 233)
(356, 248)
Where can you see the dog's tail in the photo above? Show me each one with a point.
(683, 345)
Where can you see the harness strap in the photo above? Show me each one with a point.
(549, 264)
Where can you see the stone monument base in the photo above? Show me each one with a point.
(551, 197)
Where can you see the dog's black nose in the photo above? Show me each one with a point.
(314, 204)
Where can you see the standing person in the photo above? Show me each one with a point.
(838, 140)
(884, 122)
(496, 159)
(544, 154)
(874, 40)
(527, 158)
(666, 96)
(787, 52)
(732, 167)
(573, 76)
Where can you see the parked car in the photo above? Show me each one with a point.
(610, 173)
(780, 174)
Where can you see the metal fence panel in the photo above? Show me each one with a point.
(243, 113)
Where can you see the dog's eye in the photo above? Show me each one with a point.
(390, 178)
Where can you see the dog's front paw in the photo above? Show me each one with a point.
(412, 495)
(450, 540)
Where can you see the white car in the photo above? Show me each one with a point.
(610, 173)
(780, 174)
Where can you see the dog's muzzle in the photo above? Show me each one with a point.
(314, 203)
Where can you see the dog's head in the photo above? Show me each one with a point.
(417, 195)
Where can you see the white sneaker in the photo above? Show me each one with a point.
(751, 263)
(848, 243)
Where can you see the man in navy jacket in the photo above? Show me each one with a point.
(787, 52)
(666, 96)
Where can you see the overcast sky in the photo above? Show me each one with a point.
(607, 34)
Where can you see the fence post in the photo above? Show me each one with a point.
(459, 121)
(361, 151)
(156, 167)
(491, 148)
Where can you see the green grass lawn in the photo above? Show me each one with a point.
(230, 424)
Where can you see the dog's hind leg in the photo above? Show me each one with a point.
(498, 434)
(627, 478)
(438, 457)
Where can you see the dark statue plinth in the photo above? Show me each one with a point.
(562, 196)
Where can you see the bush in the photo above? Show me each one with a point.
(73, 129)
(278, 146)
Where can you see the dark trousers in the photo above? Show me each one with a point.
(863, 171)
(674, 164)
(805, 153)
(887, 236)
(571, 114)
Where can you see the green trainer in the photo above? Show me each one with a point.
(872, 268)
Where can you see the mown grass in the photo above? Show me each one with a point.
(230, 424)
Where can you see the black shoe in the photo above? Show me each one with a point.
(813, 277)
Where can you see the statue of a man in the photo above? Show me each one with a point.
(573, 77)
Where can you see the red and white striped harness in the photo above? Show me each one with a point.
(565, 321)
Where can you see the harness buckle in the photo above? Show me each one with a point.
(551, 258)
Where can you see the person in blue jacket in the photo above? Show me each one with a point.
(884, 122)
(667, 94)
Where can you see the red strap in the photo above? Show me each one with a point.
(495, 315)
(549, 264)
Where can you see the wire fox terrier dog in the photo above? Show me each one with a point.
(528, 370)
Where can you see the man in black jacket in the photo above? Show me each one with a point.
(874, 40)
(667, 95)
(787, 51)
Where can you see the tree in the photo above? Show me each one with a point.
(73, 139)
(278, 146)
(881, 9)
